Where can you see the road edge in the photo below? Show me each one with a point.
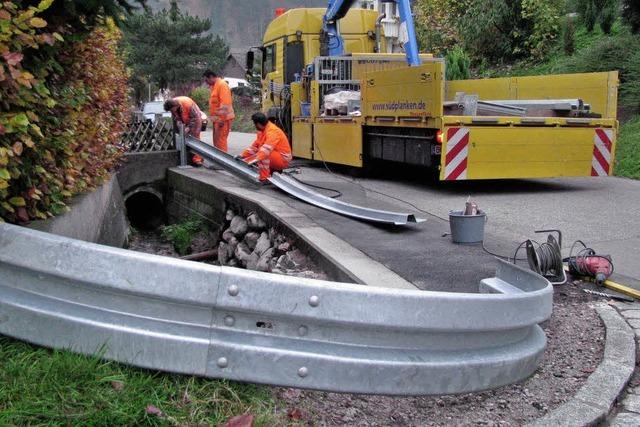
(595, 400)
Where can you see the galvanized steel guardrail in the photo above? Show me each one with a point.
(211, 153)
(191, 318)
(298, 189)
(304, 192)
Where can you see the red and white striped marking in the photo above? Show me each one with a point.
(455, 166)
(603, 144)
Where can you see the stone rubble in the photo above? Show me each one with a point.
(248, 242)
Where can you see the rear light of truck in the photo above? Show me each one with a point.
(439, 137)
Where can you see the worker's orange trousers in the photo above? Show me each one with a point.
(196, 159)
(221, 134)
(275, 162)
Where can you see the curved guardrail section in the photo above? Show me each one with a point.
(297, 189)
(185, 317)
(211, 153)
(305, 193)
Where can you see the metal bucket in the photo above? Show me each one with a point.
(467, 228)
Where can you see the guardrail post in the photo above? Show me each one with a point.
(181, 145)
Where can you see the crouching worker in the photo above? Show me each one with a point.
(270, 151)
(185, 110)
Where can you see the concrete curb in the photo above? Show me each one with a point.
(593, 402)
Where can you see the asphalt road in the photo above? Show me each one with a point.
(603, 212)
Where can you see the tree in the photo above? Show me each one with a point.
(569, 37)
(84, 14)
(631, 14)
(171, 47)
(609, 10)
(509, 29)
(590, 15)
(458, 64)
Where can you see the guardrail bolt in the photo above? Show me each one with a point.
(229, 321)
(234, 290)
(314, 301)
(223, 362)
(303, 372)
(303, 330)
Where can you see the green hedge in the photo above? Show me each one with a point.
(63, 103)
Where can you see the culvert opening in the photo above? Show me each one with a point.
(145, 210)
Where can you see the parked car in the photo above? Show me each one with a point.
(234, 83)
(150, 110)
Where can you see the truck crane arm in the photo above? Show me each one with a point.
(332, 43)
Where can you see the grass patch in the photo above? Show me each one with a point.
(628, 150)
(44, 387)
(181, 234)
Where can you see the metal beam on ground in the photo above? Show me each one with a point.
(299, 190)
(197, 319)
(226, 160)
(305, 193)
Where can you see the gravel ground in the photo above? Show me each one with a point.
(152, 242)
(575, 347)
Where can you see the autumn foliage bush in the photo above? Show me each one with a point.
(62, 106)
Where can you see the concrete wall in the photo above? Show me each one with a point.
(97, 217)
(146, 168)
(100, 216)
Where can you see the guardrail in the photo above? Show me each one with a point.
(307, 194)
(295, 188)
(185, 317)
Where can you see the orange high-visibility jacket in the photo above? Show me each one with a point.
(272, 138)
(220, 102)
(190, 113)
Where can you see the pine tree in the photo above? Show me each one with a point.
(590, 15)
(83, 14)
(171, 47)
(608, 15)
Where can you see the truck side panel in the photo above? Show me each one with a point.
(598, 89)
(404, 93)
(502, 152)
(338, 142)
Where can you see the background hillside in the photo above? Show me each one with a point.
(240, 22)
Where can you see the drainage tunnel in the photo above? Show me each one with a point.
(145, 209)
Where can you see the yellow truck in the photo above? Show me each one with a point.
(364, 107)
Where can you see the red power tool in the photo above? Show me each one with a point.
(588, 263)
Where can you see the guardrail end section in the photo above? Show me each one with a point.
(513, 279)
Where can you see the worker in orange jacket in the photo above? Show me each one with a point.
(220, 109)
(270, 151)
(185, 110)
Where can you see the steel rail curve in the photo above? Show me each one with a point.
(191, 318)
(299, 190)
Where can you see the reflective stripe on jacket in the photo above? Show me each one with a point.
(272, 138)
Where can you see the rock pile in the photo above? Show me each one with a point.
(247, 242)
